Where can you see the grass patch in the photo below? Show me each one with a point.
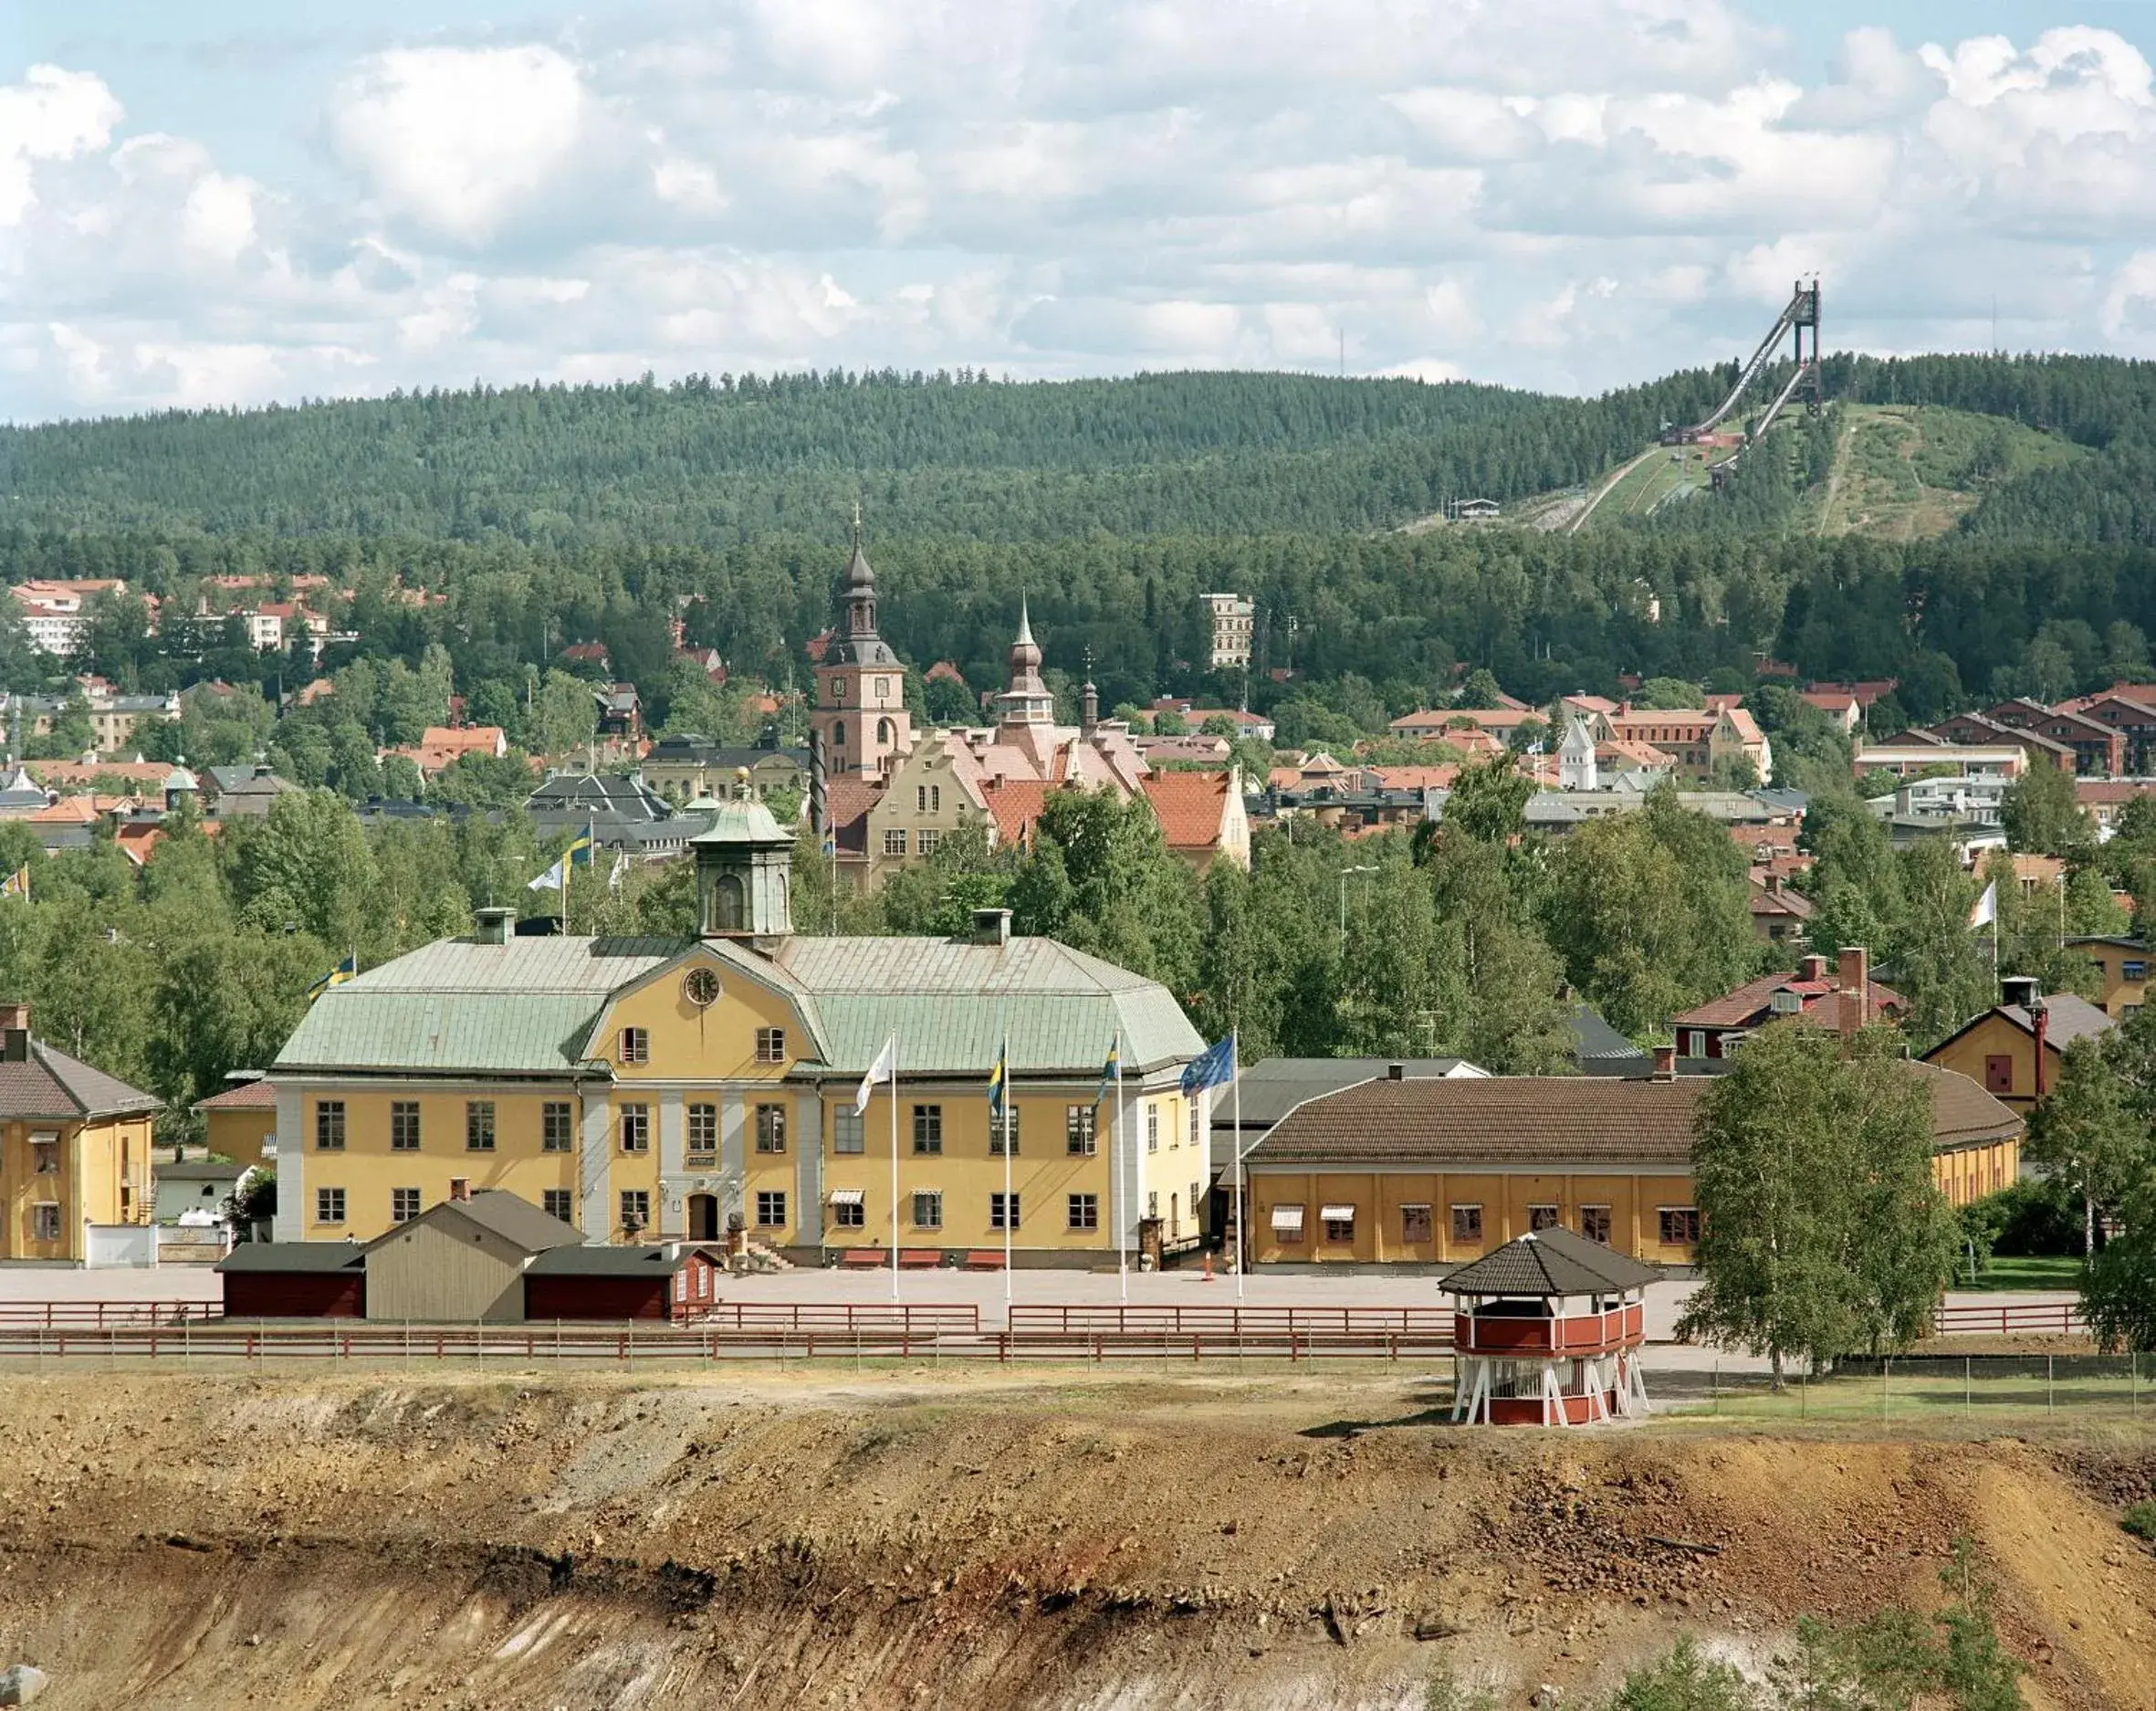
(2139, 1520)
(2025, 1272)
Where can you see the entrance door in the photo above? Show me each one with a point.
(703, 1217)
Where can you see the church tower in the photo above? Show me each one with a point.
(860, 719)
(1025, 700)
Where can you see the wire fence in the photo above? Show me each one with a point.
(1941, 1388)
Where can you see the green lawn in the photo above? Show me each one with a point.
(2023, 1274)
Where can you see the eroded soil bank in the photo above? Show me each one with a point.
(981, 1541)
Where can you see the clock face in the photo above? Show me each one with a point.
(700, 987)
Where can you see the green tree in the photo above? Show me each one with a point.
(1489, 799)
(2042, 814)
(1821, 1229)
(306, 867)
(1943, 966)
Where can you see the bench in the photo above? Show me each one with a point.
(865, 1258)
(984, 1259)
(919, 1258)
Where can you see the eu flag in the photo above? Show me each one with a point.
(1216, 1066)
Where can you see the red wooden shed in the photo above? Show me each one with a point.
(667, 1282)
(294, 1280)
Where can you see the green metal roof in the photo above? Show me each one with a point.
(530, 1006)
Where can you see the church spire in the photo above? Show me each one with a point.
(1026, 699)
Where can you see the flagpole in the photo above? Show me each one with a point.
(1235, 1110)
(1121, 1192)
(1007, 1208)
(893, 1167)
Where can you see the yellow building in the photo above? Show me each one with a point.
(1440, 1171)
(74, 1148)
(1999, 1050)
(641, 1087)
(2122, 966)
(240, 1123)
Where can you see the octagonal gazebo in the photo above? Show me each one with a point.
(1547, 1331)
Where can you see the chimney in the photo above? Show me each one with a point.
(1812, 968)
(2042, 1012)
(2019, 989)
(493, 924)
(15, 1034)
(460, 1188)
(1856, 990)
(1665, 1063)
(992, 927)
(1395, 1072)
(1773, 883)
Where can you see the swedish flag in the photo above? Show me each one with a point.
(336, 976)
(1111, 1071)
(999, 1082)
(578, 853)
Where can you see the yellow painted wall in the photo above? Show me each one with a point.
(1971, 1172)
(2120, 996)
(367, 1170)
(713, 1043)
(94, 1163)
(1994, 1036)
(239, 1135)
(1380, 1197)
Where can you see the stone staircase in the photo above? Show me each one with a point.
(755, 1257)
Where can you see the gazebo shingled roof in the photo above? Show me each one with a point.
(1547, 1263)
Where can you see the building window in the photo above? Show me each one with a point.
(1194, 1200)
(1151, 1202)
(329, 1205)
(771, 1045)
(45, 1157)
(2133, 970)
(1594, 1223)
(1197, 1115)
(838, 728)
(557, 1127)
(1680, 1226)
(1467, 1224)
(636, 1045)
(559, 1202)
(404, 1204)
(1078, 1129)
(920, 799)
(1695, 1043)
(770, 1209)
(1003, 1132)
(636, 1209)
(703, 1130)
(770, 1129)
(329, 1125)
(636, 1128)
(883, 688)
(849, 1214)
(732, 903)
(928, 1129)
(1542, 1218)
(1339, 1223)
(846, 1133)
(999, 1218)
(927, 1209)
(1415, 1224)
(1086, 1211)
(927, 840)
(1152, 1125)
(886, 733)
(478, 1126)
(935, 799)
(403, 1126)
(1998, 1073)
(45, 1219)
(894, 841)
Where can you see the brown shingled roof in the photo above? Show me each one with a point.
(1754, 1000)
(1549, 1263)
(1189, 806)
(248, 1095)
(1546, 1121)
(50, 1084)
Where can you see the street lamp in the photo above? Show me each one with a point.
(1343, 872)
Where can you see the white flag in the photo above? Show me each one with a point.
(550, 880)
(881, 1070)
(1987, 906)
(614, 880)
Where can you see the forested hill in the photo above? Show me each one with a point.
(717, 462)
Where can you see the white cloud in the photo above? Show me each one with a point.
(1571, 194)
(457, 139)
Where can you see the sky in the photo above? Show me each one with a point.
(239, 202)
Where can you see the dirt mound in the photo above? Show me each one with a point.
(981, 1541)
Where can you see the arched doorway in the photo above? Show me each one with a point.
(703, 1217)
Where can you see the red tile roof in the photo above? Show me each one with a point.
(1753, 1002)
(248, 1095)
(848, 801)
(1016, 803)
(1189, 806)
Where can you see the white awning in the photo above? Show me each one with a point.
(1339, 1215)
(846, 1196)
(1287, 1220)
